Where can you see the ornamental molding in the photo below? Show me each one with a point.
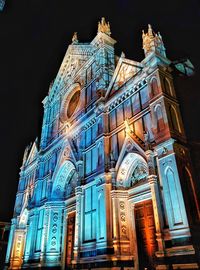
(128, 93)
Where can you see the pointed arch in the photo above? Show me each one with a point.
(66, 175)
(131, 170)
(167, 86)
(174, 118)
(159, 117)
(154, 87)
(172, 191)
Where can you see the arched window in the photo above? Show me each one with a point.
(154, 88)
(173, 196)
(100, 154)
(167, 86)
(100, 126)
(159, 118)
(174, 119)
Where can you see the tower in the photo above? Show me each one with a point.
(110, 184)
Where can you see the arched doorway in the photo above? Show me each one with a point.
(63, 189)
(133, 176)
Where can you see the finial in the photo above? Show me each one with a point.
(75, 38)
(159, 35)
(123, 55)
(104, 27)
(143, 34)
(150, 31)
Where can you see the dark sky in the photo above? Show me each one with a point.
(34, 35)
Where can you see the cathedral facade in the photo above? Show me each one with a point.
(110, 184)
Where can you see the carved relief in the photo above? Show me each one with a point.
(122, 216)
(54, 230)
(122, 205)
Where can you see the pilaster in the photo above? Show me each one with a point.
(158, 215)
(121, 222)
(78, 232)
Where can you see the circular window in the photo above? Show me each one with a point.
(70, 102)
(73, 104)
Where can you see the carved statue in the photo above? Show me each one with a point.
(152, 41)
(112, 160)
(75, 38)
(127, 127)
(147, 140)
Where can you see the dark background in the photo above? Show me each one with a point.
(34, 35)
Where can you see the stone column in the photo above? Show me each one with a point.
(158, 216)
(78, 227)
(133, 236)
(157, 211)
(16, 260)
(79, 165)
(55, 223)
(121, 223)
(10, 241)
(44, 235)
(104, 217)
(64, 238)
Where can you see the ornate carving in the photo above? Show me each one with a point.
(122, 205)
(152, 41)
(55, 217)
(54, 228)
(123, 229)
(53, 241)
(75, 38)
(67, 152)
(123, 216)
(104, 27)
(139, 173)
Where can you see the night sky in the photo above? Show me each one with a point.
(34, 35)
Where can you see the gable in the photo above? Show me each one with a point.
(125, 70)
(33, 153)
(74, 59)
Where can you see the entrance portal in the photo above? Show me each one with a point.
(146, 237)
(70, 239)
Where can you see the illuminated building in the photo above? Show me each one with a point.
(2, 3)
(110, 184)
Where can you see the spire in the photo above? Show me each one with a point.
(75, 38)
(104, 27)
(26, 152)
(152, 42)
(122, 55)
(150, 31)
